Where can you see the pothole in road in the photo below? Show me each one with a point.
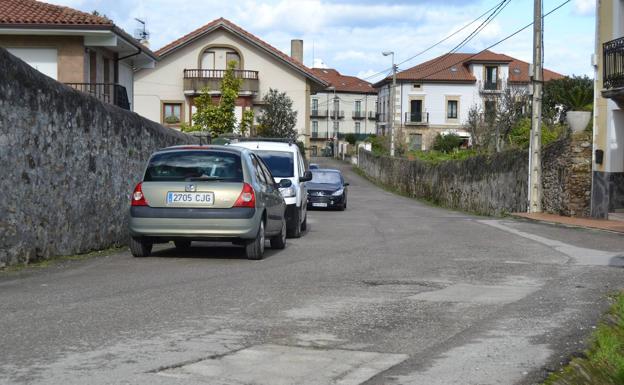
(286, 365)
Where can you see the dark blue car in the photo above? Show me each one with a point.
(327, 189)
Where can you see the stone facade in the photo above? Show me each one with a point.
(496, 184)
(69, 162)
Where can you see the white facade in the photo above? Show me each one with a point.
(425, 108)
(342, 113)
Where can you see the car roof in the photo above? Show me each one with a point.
(208, 147)
(326, 170)
(266, 145)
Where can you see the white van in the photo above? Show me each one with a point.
(285, 162)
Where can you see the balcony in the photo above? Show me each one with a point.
(490, 87)
(106, 92)
(613, 70)
(315, 134)
(416, 118)
(358, 115)
(372, 115)
(318, 114)
(196, 80)
(337, 114)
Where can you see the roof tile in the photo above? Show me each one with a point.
(344, 83)
(37, 12)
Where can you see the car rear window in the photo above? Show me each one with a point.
(330, 177)
(194, 165)
(281, 163)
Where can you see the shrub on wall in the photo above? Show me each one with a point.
(520, 135)
(447, 143)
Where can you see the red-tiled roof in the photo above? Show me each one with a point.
(454, 68)
(519, 72)
(37, 12)
(344, 83)
(224, 23)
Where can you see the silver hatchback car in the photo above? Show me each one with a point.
(207, 193)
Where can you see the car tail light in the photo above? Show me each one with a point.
(247, 197)
(138, 199)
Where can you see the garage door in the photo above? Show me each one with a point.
(42, 59)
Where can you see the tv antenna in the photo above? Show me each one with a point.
(141, 33)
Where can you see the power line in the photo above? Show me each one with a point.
(498, 42)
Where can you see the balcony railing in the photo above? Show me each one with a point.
(416, 118)
(196, 80)
(490, 87)
(315, 134)
(337, 114)
(318, 113)
(358, 115)
(613, 64)
(107, 92)
(372, 115)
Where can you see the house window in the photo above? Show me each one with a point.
(415, 142)
(315, 105)
(314, 129)
(357, 127)
(233, 57)
(208, 60)
(491, 77)
(451, 109)
(490, 109)
(358, 106)
(172, 113)
(416, 86)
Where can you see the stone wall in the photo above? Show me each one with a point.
(492, 185)
(68, 166)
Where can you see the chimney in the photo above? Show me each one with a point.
(296, 50)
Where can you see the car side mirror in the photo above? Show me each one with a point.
(307, 176)
(285, 183)
(345, 184)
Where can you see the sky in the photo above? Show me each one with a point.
(350, 35)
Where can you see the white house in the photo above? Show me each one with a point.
(435, 96)
(347, 106)
(166, 93)
(85, 51)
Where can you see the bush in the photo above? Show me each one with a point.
(520, 135)
(437, 156)
(447, 143)
(172, 119)
(351, 139)
(380, 145)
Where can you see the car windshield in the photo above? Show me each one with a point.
(194, 165)
(329, 177)
(280, 163)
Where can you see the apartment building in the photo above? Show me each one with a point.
(84, 51)
(347, 106)
(435, 96)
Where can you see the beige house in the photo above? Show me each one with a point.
(607, 199)
(82, 50)
(166, 93)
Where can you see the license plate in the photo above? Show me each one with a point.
(319, 204)
(190, 198)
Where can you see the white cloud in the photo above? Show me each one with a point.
(585, 7)
(319, 63)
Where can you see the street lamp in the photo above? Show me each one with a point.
(392, 100)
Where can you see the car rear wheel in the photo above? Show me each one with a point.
(182, 244)
(140, 247)
(279, 241)
(255, 249)
(295, 230)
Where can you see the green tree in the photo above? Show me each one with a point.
(575, 93)
(351, 139)
(218, 118)
(277, 119)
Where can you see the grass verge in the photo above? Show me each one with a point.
(603, 362)
(52, 261)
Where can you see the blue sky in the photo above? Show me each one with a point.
(349, 35)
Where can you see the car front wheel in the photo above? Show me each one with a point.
(295, 230)
(255, 249)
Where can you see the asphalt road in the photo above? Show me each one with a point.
(391, 291)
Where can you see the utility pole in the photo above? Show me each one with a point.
(392, 100)
(535, 156)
